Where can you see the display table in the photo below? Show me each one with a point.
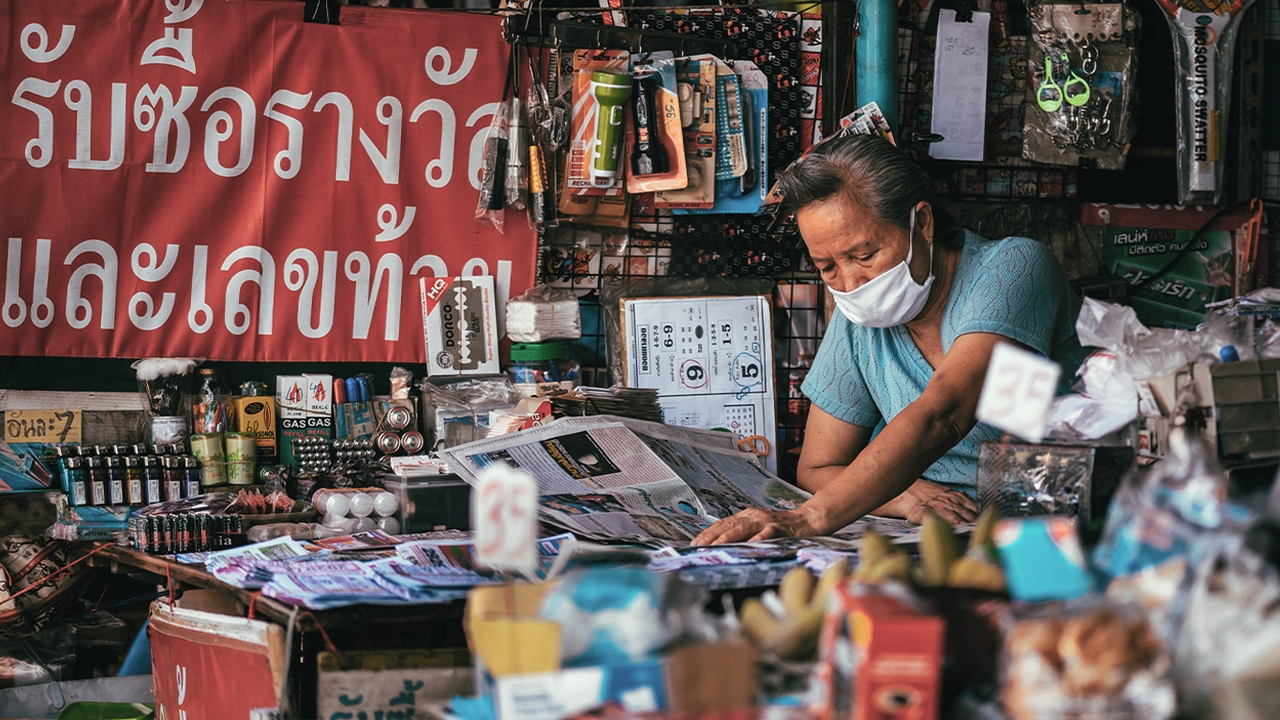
(176, 576)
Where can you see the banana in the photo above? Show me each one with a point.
(798, 638)
(832, 577)
(983, 532)
(894, 566)
(796, 589)
(873, 547)
(757, 622)
(937, 550)
(977, 572)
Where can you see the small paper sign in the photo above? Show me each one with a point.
(1017, 392)
(42, 426)
(504, 515)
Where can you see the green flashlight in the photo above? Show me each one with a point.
(612, 90)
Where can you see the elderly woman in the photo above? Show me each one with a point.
(921, 305)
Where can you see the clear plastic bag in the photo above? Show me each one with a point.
(1082, 92)
(1088, 660)
(492, 201)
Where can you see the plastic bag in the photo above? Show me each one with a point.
(1141, 352)
(458, 413)
(1090, 660)
(492, 200)
(1227, 666)
(542, 314)
(1107, 401)
(47, 656)
(1082, 93)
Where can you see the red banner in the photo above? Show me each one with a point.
(219, 178)
(215, 672)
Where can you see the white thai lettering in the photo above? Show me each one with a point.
(79, 310)
(39, 148)
(80, 99)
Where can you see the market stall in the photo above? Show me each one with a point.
(557, 362)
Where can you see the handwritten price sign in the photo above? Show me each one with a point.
(1018, 391)
(504, 515)
(42, 426)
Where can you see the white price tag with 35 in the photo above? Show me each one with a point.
(504, 515)
(1018, 391)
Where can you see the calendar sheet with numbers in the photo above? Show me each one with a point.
(710, 358)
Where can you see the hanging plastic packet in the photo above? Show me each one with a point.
(1204, 43)
(1082, 91)
(517, 155)
(493, 172)
(542, 314)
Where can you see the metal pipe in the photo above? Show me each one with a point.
(876, 58)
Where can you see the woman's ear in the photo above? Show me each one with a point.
(924, 219)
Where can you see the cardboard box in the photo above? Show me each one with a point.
(395, 683)
(1230, 257)
(459, 325)
(879, 658)
(305, 405)
(257, 415)
(1246, 399)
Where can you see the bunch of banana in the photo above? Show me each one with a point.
(787, 624)
(941, 564)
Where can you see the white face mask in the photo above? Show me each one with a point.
(891, 298)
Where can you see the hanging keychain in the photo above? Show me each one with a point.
(1079, 97)
(1049, 95)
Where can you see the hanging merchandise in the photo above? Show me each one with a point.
(743, 194)
(1082, 91)
(656, 138)
(492, 200)
(696, 90)
(1204, 43)
(601, 89)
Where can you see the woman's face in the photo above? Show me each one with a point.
(849, 246)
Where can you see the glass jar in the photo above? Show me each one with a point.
(543, 369)
(210, 408)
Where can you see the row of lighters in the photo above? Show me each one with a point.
(128, 474)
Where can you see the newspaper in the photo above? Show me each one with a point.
(620, 479)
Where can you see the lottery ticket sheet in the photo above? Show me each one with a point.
(711, 361)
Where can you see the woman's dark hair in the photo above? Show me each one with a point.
(871, 172)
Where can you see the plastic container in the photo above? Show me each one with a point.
(543, 369)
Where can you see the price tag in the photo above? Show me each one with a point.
(504, 515)
(42, 426)
(1017, 392)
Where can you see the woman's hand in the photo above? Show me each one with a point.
(950, 505)
(758, 524)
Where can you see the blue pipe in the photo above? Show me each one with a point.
(876, 58)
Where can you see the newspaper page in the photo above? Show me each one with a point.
(597, 479)
(726, 480)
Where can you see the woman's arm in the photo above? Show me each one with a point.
(830, 444)
(888, 465)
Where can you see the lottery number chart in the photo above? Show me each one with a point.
(709, 358)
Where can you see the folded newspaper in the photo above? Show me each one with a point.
(625, 480)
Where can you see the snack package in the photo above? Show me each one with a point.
(744, 194)
(1082, 92)
(655, 138)
(696, 91)
(1088, 661)
(597, 147)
